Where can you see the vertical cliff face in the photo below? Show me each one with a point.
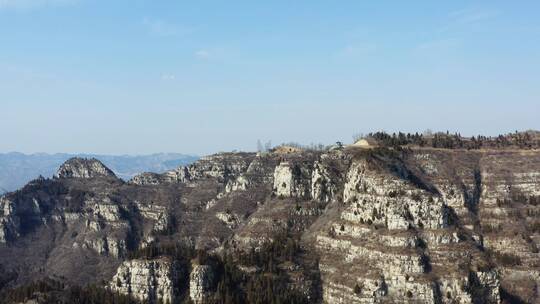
(494, 195)
(395, 239)
(373, 226)
(9, 223)
(148, 280)
(291, 180)
(420, 228)
(508, 218)
(201, 283)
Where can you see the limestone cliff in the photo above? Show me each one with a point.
(148, 280)
(201, 281)
(379, 225)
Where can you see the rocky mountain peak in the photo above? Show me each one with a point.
(83, 168)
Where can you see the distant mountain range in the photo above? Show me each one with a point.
(16, 169)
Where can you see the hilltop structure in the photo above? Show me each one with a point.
(366, 142)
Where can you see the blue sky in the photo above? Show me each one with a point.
(206, 76)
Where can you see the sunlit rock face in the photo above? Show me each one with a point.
(398, 229)
(149, 281)
(324, 182)
(83, 168)
(201, 281)
(9, 223)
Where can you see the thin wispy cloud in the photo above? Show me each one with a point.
(168, 77)
(203, 54)
(32, 4)
(470, 16)
(160, 27)
(216, 53)
(467, 18)
(458, 21)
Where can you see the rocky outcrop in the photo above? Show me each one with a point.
(158, 214)
(239, 184)
(323, 185)
(292, 180)
(149, 281)
(393, 203)
(223, 166)
(149, 178)
(14, 215)
(395, 228)
(9, 223)
(83, 168)
(201, 283)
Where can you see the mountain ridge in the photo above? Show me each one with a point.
(16, 169)
(345, 225)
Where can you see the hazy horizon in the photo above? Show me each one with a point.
(92, 154)
(18, 169)
(248, 149)
(139, 77)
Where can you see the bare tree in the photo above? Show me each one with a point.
(357, 136)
